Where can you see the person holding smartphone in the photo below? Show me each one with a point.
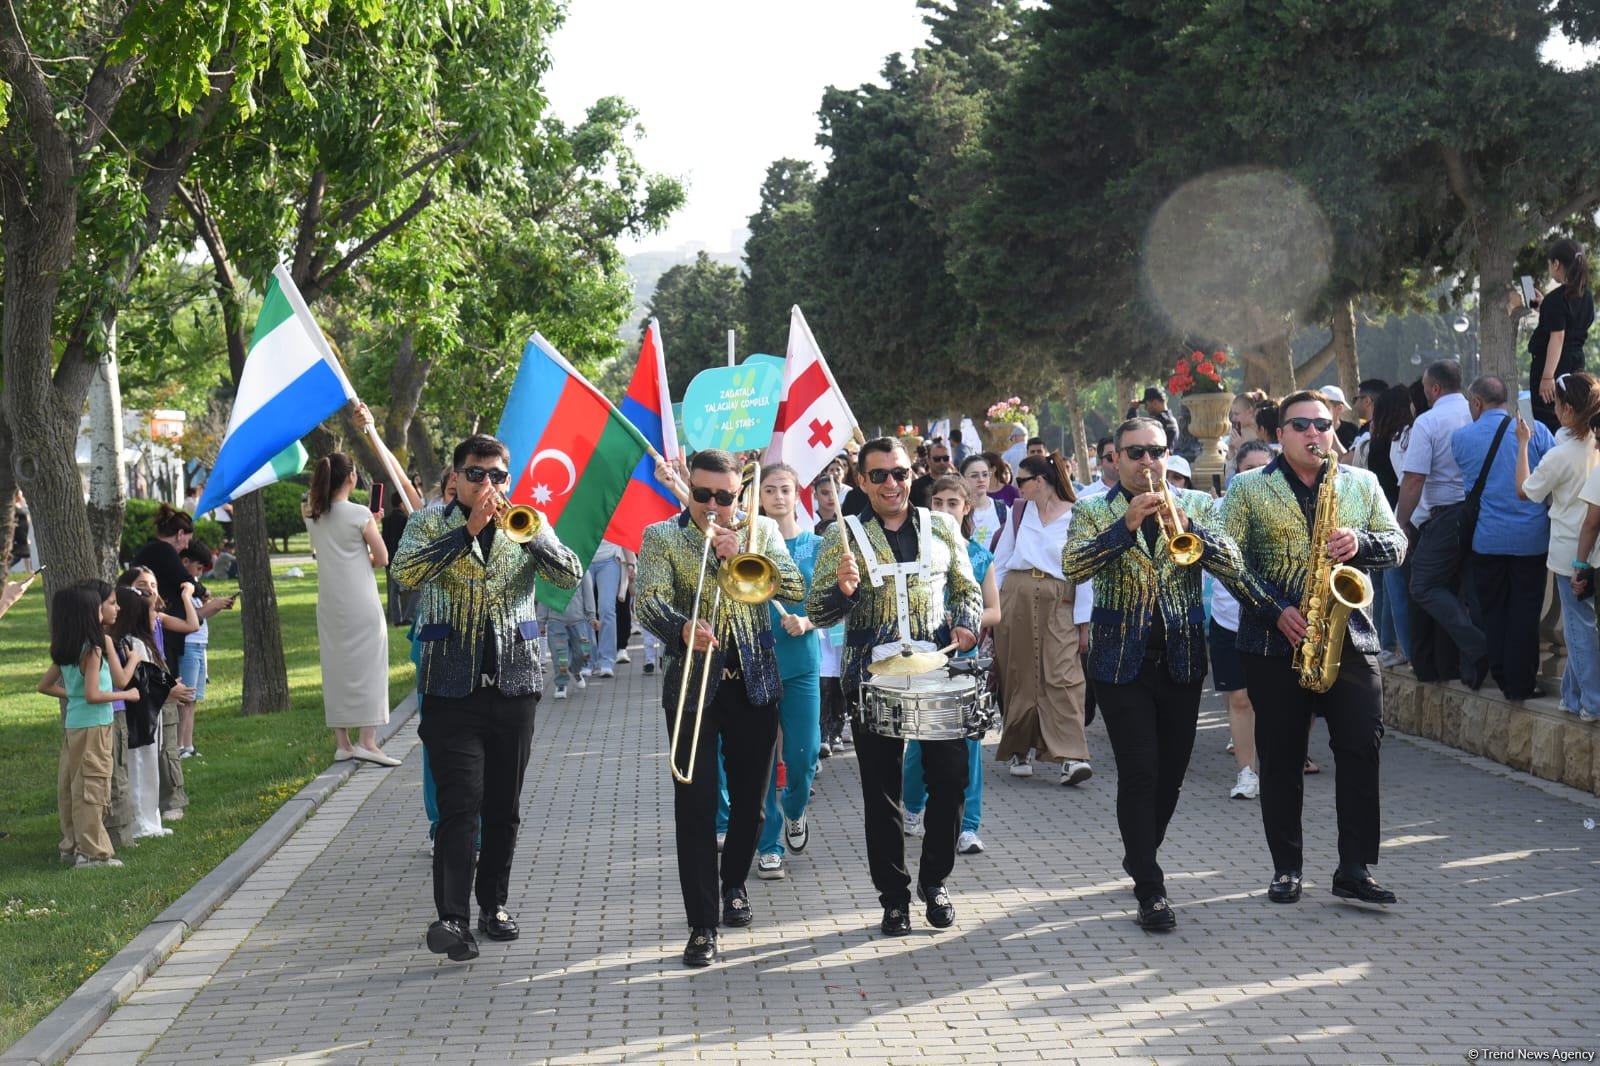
(1565, 315)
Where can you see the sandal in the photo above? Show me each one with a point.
(1311, 767)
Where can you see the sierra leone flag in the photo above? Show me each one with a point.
(291, 382)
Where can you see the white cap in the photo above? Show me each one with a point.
(1335, 394)
(1019, 431)
(1177, 464)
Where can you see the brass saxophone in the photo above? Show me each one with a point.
(1331, 592)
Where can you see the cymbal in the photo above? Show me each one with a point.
(908, 663)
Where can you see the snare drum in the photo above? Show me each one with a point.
(927, 706)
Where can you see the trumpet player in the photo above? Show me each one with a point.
(1144, 545)
(1273, 514)
(479, 674)
(733, 641)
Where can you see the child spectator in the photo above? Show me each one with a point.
(571, 633)
(83, 670)
(199, 562)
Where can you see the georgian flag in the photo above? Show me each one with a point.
(814, 421)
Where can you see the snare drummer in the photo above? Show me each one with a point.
(1147, 646)
(895, 576)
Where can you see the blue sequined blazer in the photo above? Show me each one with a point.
(1262, 513)
(1132, 583)
(463, 593)
(669, 570)
(870, 616)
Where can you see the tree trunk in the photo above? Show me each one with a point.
(1122, 396)
(406, 379)
(8, 491)
(424, 459)
(1498, 240)
(1080, 434)
(108, 479)
(266, 677)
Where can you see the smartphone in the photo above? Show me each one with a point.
(1527, 289)
(375, 500)
(1216, 484)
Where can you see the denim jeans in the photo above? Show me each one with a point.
(1397, 605)
(1580, 681)
(607, 579)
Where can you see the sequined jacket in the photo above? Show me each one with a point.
(1263, 515)
(669, 571)
(870, 617)
(463, 594)
(1132, 583)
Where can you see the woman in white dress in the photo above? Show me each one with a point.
(352, 632)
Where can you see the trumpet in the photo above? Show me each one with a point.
(749, 578)
(519, 522)
(1185, 548)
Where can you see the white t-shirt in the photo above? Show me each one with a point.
(1224, 608)
(986, 523)
(203, 634)
(1567, 475)
(1038, 546)
(1428, 453)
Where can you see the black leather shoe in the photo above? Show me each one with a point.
(1156, 915)
(941, 912)
(736, 912)
(1285, 887)
(702, 947)
(1356, 883)
(499, 925)
(1473, 676)
(452, 938)
(896, 921)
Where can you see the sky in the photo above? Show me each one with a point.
(722, 87)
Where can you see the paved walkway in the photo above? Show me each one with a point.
(319, 959)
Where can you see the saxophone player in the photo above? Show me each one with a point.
(1272, 514)
(1144, 549)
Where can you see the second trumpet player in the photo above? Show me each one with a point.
(740, 708)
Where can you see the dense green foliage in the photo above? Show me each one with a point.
(697, 303)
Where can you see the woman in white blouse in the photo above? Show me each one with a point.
(1561, 476)
(1043, 620)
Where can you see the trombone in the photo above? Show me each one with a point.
(749, 578)
(519, 522)
(1185, 548)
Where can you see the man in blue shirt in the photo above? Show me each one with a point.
(1506, 570)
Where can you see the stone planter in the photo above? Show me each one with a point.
(1208, 423)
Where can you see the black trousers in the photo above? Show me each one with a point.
(1509, 593)
(1151, 722)
(749, 735)
(1353, 711)
(1437, 587)
(478, 751)
(832, 708)
(882, 763)
(1433, 654)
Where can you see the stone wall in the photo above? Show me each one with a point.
(1536, 736)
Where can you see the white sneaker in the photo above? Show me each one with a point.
(622, 656)
(561, 692)
(84, 862)
(769, 867)
(914, 824)
(583, 682)
(1075, 771)
(586, 672)
(606, 671)
(968, 843)
(1248, 785)
(174, 815)
(1017, 766)
(796, 834)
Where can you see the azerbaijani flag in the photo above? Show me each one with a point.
(572, 453)
(649, 408)
(291, 382)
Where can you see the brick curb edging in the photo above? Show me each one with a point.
(64, 1029)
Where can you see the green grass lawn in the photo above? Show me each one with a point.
(58, 925)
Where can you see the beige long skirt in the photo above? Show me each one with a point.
(1041, 678)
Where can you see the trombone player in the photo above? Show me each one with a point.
(1144, 546)
(479, 675)
(1272, 513)
(721, 681)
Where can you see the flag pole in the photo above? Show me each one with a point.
(731, 354)
(822, 360)
(393, 471)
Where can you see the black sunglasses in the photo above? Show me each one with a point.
(878, 477)
(724, 498)
(1300, 425)
(1025, 478)
(476, 474)
(1137, 452)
